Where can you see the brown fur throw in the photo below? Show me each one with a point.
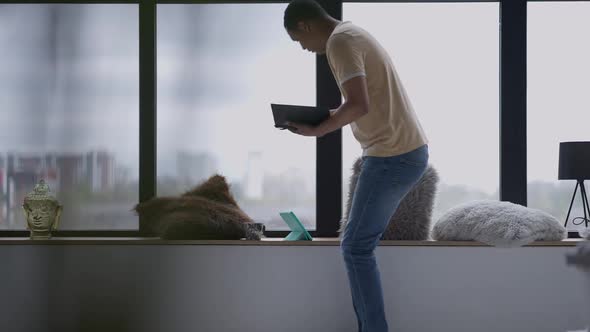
(206, 212)
(412, 219)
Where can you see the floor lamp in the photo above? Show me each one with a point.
(574, 164)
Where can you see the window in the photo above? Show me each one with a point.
(215, 85)
(447, 56)
(558, 108)
(70, 103)
(68, 75)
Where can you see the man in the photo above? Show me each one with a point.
(395, 150)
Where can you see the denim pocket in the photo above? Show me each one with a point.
(418, 157)
(412, 162)
(371, 164)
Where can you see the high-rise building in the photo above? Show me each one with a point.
(100, 170)
(2, 176)
(253, 184)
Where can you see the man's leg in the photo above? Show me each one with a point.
(382, 184)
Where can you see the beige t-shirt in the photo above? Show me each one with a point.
(391, 127)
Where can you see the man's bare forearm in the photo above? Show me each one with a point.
(342, 116)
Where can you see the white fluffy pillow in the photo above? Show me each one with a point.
(497, 223)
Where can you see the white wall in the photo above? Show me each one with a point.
(279, 289)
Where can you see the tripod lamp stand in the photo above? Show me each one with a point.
(574, 164)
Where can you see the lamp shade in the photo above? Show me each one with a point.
(574, 160)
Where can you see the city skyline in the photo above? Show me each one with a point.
(70, 83)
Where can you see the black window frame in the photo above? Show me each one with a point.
(512, 112)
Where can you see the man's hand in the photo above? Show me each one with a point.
(304, 130)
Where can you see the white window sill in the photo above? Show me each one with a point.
(263, 242)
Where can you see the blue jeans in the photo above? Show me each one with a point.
(382, 184)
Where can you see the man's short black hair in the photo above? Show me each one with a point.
(302, 10)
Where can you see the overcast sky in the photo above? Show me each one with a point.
(220, 66)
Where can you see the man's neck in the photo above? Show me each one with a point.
(328, 27)
(331, 25)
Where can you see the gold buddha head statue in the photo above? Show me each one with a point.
(42, 211)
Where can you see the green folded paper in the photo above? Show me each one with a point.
(298, 232)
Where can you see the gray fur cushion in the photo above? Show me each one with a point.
(411, 220)
(497, 223)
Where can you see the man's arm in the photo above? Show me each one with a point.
(356, 104)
